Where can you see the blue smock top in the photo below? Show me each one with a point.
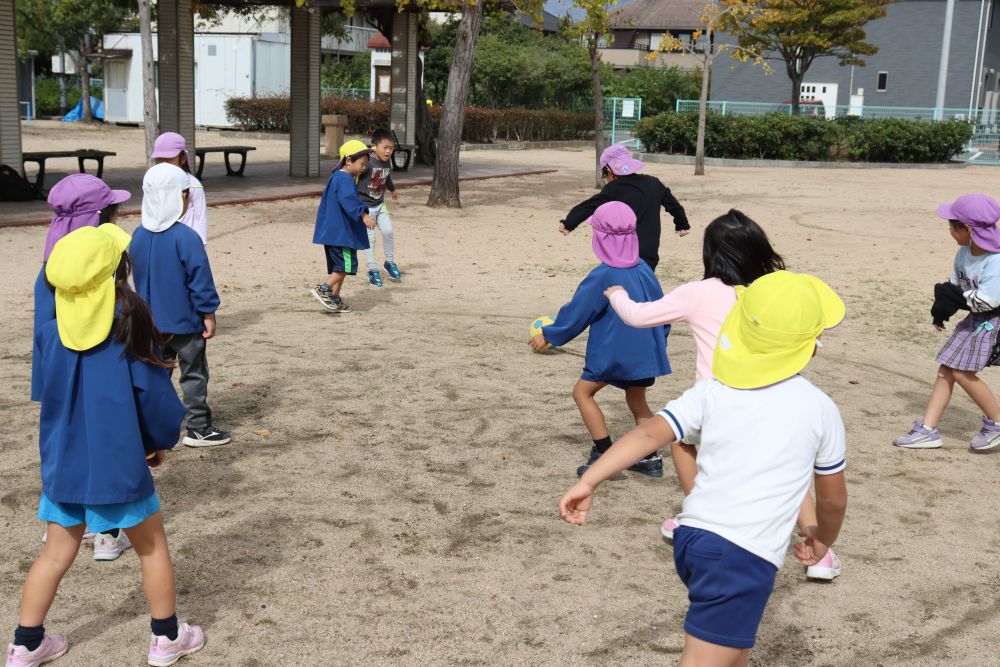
(102, 412)
(338, 220)
(615, 351)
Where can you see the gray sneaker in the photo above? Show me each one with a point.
(988, 438)
(921, 437)
(324, 296)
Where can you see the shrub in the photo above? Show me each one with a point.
(363, 117)
(778, 136)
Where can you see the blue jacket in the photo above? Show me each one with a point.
(338, 220)
(45, 311)
(171, 273)
(102, 411)
(615, 351)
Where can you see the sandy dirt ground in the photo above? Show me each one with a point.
(390, 493)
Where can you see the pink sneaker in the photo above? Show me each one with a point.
(163, 652)
(668, 528)
(828, 568)
(52, 647)
(110, 548)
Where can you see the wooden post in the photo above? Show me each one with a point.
(175, 44)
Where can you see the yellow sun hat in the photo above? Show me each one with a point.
(82, 269)
(352, 147)
(770, 334)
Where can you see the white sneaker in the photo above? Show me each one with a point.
(110, 548)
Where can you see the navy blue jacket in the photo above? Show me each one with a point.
(171, 273)
(102, 411)
(339, 218)
(45, 311)
(615, 351)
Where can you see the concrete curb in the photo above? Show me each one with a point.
(294, 195)
(526, 145)
(661, 158)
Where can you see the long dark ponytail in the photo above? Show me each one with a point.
(134, 327)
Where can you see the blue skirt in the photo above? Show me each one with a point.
(99, 518)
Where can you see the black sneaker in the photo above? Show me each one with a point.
(594, 455)
(209, 437)
(651, 467)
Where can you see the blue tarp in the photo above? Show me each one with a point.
(96, 109)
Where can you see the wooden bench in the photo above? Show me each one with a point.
(401, 148)
(226, 151)
(81, 155)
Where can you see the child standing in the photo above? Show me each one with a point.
(173, 275)
(975, 343)
(735, 252)
(108, 413)
(765, 431)
(617, 355)
(643, 193)
(340, 225)
(171, 148)
(372, 186)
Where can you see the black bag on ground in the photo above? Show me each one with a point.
(14, 187)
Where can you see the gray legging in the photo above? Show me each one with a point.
(384, 224)
(189, 349)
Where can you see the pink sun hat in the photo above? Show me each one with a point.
(170, 145)
(980, 213)
(619, 160)
(615, 242)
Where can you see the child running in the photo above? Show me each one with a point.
(975, 343)
(340, 225)
(173, 276)
(735, 252)
(643, 193)
(372, 186)
(766, 431)
(108, 413)
(626, 358)
(171, 148)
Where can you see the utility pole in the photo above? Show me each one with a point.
(949, 15)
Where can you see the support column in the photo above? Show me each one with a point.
(304, 92)
(10, 123)
(403, 105)
(175, 47)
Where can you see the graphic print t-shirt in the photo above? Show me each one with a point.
(375, 181)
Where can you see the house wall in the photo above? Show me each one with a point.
(909, 40)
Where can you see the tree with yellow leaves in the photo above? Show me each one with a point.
(714, 15)
(799, 31)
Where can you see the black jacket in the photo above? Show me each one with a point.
(948, 300)
(644, 195)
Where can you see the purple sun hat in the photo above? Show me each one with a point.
(76, 201)
(980, 214)
(615, 242)
(619, 160)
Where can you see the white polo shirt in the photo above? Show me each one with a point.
(759, 450)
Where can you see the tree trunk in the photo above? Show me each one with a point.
(444, 189)
(83, 67)
(150, 119)
(699, 152)
(425, 125)
(796, 92)
(595, 76)
(62, 77)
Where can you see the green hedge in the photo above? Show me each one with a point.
(778, 136)
(363, 117)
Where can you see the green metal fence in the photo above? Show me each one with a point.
(983, 148)
(345, 93)
(620, 116)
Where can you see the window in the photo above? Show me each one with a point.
(883, 82)
(211, 49)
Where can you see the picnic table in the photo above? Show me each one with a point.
(81, 155)
(226, 151)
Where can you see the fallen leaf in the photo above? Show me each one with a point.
(239, 384)
(338, 437)
(504, 456)
(345, 426)
(262, 431)
(853, 382)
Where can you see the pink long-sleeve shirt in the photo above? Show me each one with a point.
(703, 305)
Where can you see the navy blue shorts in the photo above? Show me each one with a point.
(728, 587)
(621, 384)
(341, 260)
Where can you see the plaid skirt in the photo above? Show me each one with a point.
(973, 344)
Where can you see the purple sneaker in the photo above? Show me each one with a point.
(52, 647)
(921, 437)
(164, 652)
(988, 438)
